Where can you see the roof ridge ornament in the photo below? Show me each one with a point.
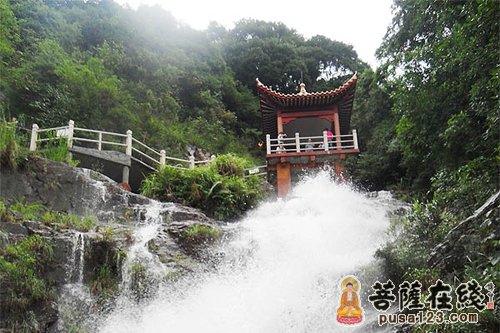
(303, 89)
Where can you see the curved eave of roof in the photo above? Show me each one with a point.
(305, 99)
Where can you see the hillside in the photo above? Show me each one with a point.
(112, 68)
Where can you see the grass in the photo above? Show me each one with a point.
(20, 212)
(56, 149)
(202, 232)
(5, 213)
(219, 189)
(139, 280)
(105, 259)
(14, 150)
(12, 155)
(108, 234)
(104, 282)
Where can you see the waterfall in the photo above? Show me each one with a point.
(278, 270)
(74, 270)
(75, 299)
(81, 251)
(139, 257)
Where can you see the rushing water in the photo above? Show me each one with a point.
(279, 270)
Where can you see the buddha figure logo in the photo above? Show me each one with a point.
(350, 311)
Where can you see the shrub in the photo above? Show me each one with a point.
(5, 214)
(8, 145)
(230, 165)
(219, 189)
(462, 191)
(56, 149)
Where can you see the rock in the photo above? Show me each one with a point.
(47, 315)
(4, 239)
(37, 228)
(468, 236)
(13, 228)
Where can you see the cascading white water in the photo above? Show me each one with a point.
(138, 253)
(75, 296)
(279, 272)
(74, 270)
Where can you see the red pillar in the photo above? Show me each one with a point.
(336, 124)
(283, 179)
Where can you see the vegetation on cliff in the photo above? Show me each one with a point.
(19, 212)
(22, 276)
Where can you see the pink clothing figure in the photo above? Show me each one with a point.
(329, 135)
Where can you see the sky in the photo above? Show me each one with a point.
(361, 23)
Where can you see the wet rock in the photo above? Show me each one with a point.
(192, 235)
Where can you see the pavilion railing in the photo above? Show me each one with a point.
(305, 144)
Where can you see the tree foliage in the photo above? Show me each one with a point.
(113, 68)
(282, 58)
(441, 59)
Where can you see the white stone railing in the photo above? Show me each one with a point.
(306, 144)
(114, 141)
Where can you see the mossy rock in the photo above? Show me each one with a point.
(193, 236)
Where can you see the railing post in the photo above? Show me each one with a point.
(99, 144)
(268, 144)
(34, 137)
(128, 142)
(355, 138)
(71, 131)
(128, 151)
(191, 162)
(297, 142)
(162, 158)
(325, 141)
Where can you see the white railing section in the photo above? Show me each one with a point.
(298, 144)
(97, 139)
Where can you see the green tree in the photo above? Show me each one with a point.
(441, 58)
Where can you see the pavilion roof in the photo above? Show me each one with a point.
(271, 101)
(304, 98)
